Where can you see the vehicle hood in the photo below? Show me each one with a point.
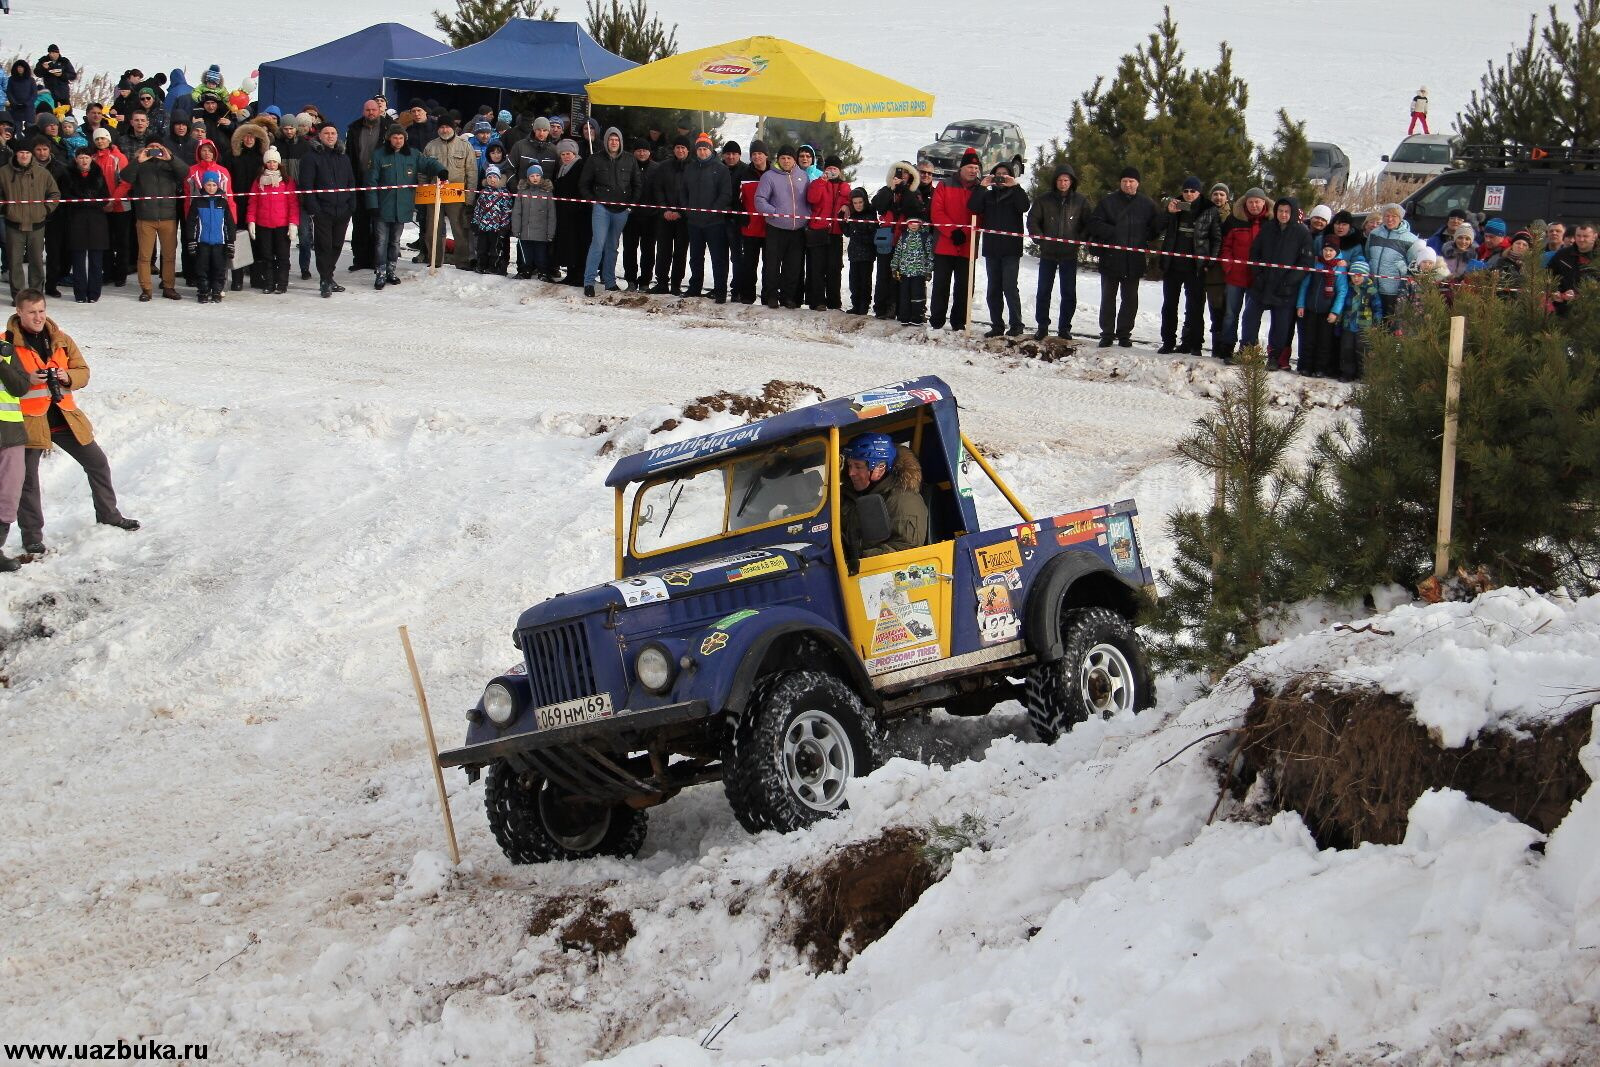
(668, 583)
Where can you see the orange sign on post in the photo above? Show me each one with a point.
(446, 193)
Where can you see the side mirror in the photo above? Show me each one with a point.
(872, 519)
(1384, 158)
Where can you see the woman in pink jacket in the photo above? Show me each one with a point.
(274, 219)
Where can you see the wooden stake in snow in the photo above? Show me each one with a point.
(433, 746)
(1447, 464)
(435, 250)
(972, 266)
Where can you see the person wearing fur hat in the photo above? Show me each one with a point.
(572, 215)
(904, 196)
(460, 163)
(1188, 240)
(156, 186)
(1058, 222)
(611, 179)
(391, 183)
(326, 183)
(249, 143)
(273, 217)
(533, 223)
(639, 235)
(1128, 220)
(208, 235)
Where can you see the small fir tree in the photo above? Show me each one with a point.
(1230, 572)
(1285, 167)
(1547, 93)
(828, 138)
(631, 32)
(475, 20)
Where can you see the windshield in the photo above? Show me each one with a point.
(963, 135)
(1413, 152)
(1321, 157)
(744, 493)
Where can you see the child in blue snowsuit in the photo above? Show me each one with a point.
(208, 234)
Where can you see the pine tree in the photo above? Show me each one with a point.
(1230, 573)
(828, 138)
(1286, 166)
(476, 20)
(1547, 93)
(631, 32)
(1527, 478)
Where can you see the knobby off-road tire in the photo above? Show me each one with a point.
(1104, 671)
(803, 737)
(536, 823)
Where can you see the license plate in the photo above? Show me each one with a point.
(584, 709)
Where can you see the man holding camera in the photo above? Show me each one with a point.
(156, 181)
(50, 416)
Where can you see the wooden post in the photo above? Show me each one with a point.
(1447, 464)
(972, 265)
(433, 746)
(434, 249)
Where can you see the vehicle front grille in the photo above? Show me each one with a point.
(559, 664)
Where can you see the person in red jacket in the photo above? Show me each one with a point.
(1238, 234)
(752, 230)
(951, 220)
(274, 218)
(829, 197)
(119, 213)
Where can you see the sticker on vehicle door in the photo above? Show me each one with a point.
(1494, 198)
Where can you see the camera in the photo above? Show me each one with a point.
(52, 379)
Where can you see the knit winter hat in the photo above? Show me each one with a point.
(786, 150)
(1522, 235)
(504, 117)
(212, 76)
(1458, 213)
(1384, 209)
(1360, 266)
(445, 121)
(969, 158)
(535, 171)
(541, 123)
(84, 150)
(1192, 182)
(1225, 190)
(1463, 231)
(833, 161)
(758, 145)
(1496, 227)
(566, 144)
(211, 176)
(1323, 212)
(102, 134)
(731, 146)
(271, 155)
(1130, 172)
(491, 171)
(1344, 217)
(304, 122)
(1255, 191)
(704, 139)
(638, 144)
(482, 127)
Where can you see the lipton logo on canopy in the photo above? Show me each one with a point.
(729, 70)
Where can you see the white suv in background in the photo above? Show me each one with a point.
(1419, 158)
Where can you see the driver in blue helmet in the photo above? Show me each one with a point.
(873, 464)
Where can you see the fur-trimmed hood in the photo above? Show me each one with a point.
(269, 123)
(909, 168)
(263, 138)
(907, 471)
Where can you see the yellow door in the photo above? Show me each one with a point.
(900, 615)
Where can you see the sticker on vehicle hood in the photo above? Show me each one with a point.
(645, 589)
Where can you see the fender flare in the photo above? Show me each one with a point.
(1050, 589)
(726, 677)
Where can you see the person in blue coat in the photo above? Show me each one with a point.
(1392, 250)
(1319, 307)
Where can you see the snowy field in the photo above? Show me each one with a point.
(220, 828)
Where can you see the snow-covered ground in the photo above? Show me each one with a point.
(1348, 68)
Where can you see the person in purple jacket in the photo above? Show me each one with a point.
(781, 197)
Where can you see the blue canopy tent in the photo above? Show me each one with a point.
(342, 75)
(523, 56)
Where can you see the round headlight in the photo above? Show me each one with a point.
(654, 668)
(498, 705)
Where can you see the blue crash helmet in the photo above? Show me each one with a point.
(872, 449)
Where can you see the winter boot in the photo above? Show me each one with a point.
(1040, 333)
(7, 564)
(327, 290)
(377, 281)
(394, 279)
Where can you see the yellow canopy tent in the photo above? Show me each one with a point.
(763, 76)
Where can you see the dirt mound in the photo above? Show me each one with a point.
(1352, 763)
(587, 924)
(775, 398)
(856, 896)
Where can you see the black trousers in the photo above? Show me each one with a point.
(861, 271)
(786, 256)
(328, 239)
(211, 268)
(119, 261)
(57, 262)
(948, 272)
(1003, 294)
(361, 235)
(272, 256)
(672, 251)
(639, 248)
(887, 296)
(30, 512)
(913, 293)
(1319, 345)
(744, 279)
(713, 240)
(1187, 288)
(1119, 303)
(824, 268)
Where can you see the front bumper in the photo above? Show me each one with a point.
(626, 726)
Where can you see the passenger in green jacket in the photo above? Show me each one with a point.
(874, 465)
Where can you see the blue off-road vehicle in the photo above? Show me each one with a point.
(743, 642)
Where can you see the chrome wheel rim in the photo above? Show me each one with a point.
(1105, 679)
(817, 760)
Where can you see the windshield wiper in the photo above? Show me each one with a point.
(672, 506)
